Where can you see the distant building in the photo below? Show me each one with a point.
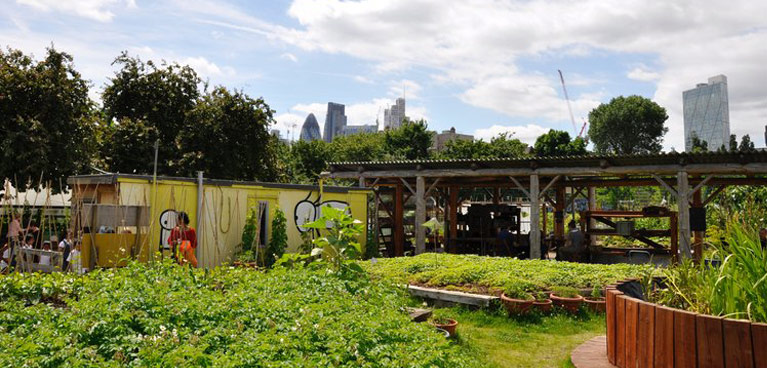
(357, 129)
(335, 120)
(394, 115)
(707, 113)
(441, 139)
(310, 131)
(278, 134)
(765, 135)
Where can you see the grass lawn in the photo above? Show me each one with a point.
(499, 341)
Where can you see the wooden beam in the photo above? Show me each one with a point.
(550, 183)
(453, 218)
(665, 185)
(559, 207)
(432, 186)
(684, 215)
(535, 215)
(714, 194)
(399, 226)
(592, 198)
(701, 184)
(420, 215)
(520, 187)
(697, 202)
(407, 186)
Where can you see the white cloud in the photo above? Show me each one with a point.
(408, 88)
(207, 68)
(289, 56)
(643, 74)
(362, 79)
(526, 133)
(93, 9)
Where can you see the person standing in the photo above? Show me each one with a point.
(75, 260)
(65, 247)
(14, 229)
(574, 244)
(183, 239)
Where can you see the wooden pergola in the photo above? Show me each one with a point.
(682, 175)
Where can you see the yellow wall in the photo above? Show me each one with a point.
(225, 210)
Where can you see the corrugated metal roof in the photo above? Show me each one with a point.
(671, 158)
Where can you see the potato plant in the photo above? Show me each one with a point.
(163, 315)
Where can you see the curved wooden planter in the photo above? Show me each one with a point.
(516, 306)
(641, 334)
(569, 304)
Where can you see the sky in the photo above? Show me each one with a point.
(483, 67)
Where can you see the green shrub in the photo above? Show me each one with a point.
(279, 239)
(565, 292)
(515, 290)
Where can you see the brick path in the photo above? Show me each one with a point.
(592, 354)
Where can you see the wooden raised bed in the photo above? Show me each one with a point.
(641, 334)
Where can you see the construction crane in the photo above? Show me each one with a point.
(583, 129)
(567, 98)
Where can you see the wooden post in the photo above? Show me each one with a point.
(420, 215)
(683, 202)
(453, 219)
(559, 223)
(399, 226)
(535, 218)
(697, 202)
(592, 205)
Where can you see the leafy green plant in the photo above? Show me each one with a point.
(541, 296)
(279, 239)
(596, 292)
(517, 291)
(339, 246)
(250, 230)
(565, 292)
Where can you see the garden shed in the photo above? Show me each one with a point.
(123, 216)
(552, 183)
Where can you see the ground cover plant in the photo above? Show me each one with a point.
(491, 275)
(164, 315)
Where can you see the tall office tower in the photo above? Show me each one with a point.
(394, 115)
(707, 113)
(335, 120)
(310, 131)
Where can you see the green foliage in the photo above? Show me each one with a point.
(309, 159)
(735, 289)
(515, 290)
(163, 315)
(410, 141)
(48, 120)
(502, 146)
(359, 147)
(279, 240)
(339, 246)
(558, 143)
(128, 144)
(596, 292)
(161, 96)
(565, 291)
(249, 231)
(478, 274)
(745, 144)
(224, 137)
(698, 145)
(628, 125)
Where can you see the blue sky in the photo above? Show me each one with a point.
(484, 67)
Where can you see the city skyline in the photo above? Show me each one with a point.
(482, 80)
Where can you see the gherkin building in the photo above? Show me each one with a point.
(310, 131)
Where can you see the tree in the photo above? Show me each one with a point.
(359, 147)
(228, 137)
(501, 146)
(733, 143)
(128, 145)
(309, 159)
(628, 125)
(159, 95)
(745, 144)
(410, 141)
(698, 145)
(48, 120)
(558, 143)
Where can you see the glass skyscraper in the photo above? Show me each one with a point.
(707, 113)
(335, 121)
(310, 131)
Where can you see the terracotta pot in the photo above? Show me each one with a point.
(516, 306)
(597, 305)
(449, 327)
(569, 304)
(543, 306)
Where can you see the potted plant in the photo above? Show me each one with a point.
(443, 323)
(596, 302)
(516, 299)
(542, 302)
(567, 298)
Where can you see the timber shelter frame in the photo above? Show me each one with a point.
(682, 175)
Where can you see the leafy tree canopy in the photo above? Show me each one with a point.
(502, 146)
(48, 120)
(558, 143)
(411, 141)
(628, 125)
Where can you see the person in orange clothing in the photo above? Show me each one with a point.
(183, 239)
